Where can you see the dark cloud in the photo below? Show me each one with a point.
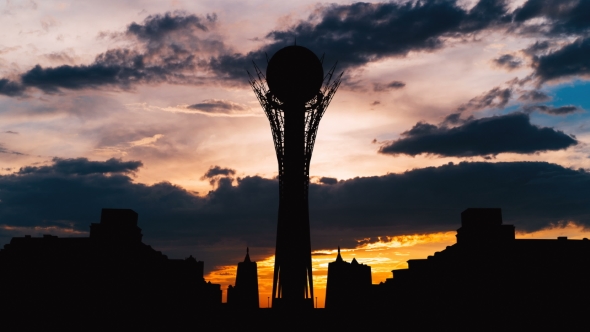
(167, 52)
(562, 110)
(362, 32)
(82, 166)
(10, 88)
(534, 96)
(157, 27)
(328, 180)
(532, 195)
(215, 171)
(487, 136)
(570, 60)
(454, 119)
(378, 87)
(11, 132)
(508, 61)
(495, 98)
(170, 49)
(561, 16)
(80, 77)
(218, 106)
(537, 47)
(417, 200)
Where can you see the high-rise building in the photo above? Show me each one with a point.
(349, 284)
(110, 272)
(244, 294)
(491, 273)
(294, 95)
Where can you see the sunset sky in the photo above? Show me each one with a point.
(145, 105)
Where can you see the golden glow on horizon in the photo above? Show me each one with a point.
(383, 255)
(569, 229)
(38, 230)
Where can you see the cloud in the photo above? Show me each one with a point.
(155, 28)
(537, 47)
(532, 195)
(82, 166)
(570, 60)
(361, 32)
(181, 48)
(534, 96)
(562, 17)
(168, 50)
(394, 85)
(495, 98)
(562, 110)
(217, 106)
(328, 180)
(11, 132)
(10, 88)
(508, 61)
(215, 171)
(6, 151)
(146, 141)
(61, 57)
(479, 137)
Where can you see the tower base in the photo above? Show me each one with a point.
(292, 304)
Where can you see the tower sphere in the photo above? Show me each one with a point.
(294, 74)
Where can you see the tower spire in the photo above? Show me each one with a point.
(339, 258)
(247, 259)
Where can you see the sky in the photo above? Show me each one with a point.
(444, 105)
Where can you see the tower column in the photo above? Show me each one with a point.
(294, 103)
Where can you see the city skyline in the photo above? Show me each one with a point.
(146, 106)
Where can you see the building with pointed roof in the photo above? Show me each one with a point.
(245, 293)
(349, 284)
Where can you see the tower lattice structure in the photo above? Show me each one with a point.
(292, 281)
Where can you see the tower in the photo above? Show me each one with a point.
(294, 94)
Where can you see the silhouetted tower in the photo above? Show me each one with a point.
(294, 101)
(245, 293)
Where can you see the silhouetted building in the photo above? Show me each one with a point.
(349, 284)
(111, 271)
(245, 293)
(294, 95)
(488, 272)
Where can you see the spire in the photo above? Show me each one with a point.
(354, 261)
(247, 259)
(339, 258)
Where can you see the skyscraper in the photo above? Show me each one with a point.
(245, 293)
(294, 94)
